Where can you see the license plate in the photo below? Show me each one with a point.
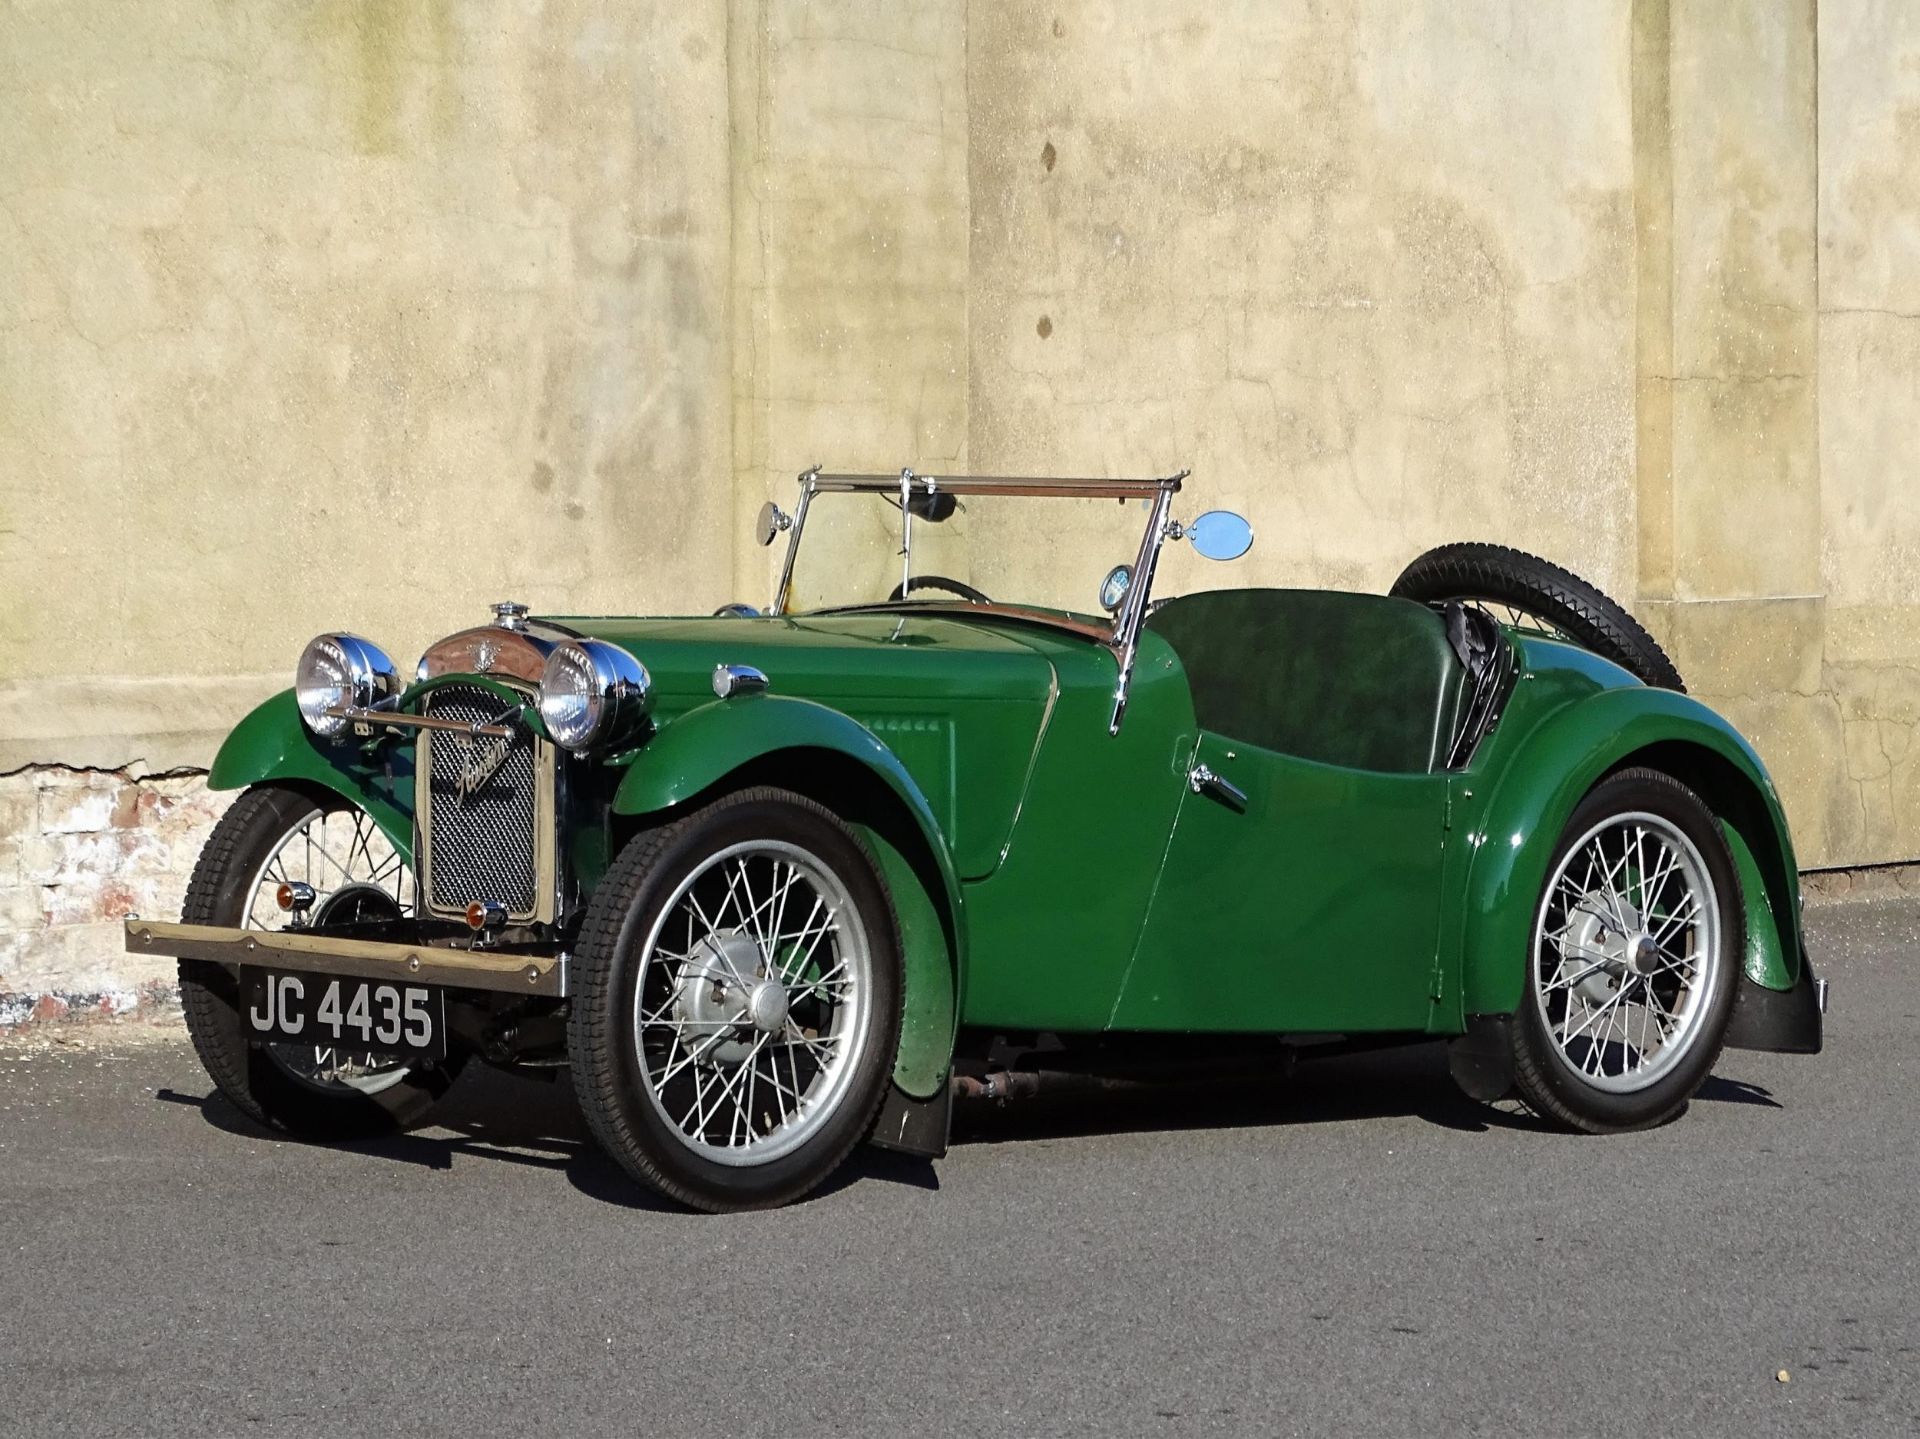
(366, 1016)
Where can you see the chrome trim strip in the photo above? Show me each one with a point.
(362, 958)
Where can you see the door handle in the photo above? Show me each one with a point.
(1205, 781)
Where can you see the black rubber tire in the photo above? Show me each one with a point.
(1578, 609)
(604, 974)
(1541, 1077)
(243, 1070)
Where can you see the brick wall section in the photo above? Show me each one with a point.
(80, 850)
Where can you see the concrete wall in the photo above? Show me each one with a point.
(350, 313)
(1868, 358)
(365, 314)
(1298, 249)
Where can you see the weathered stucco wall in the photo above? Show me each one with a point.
(1304, 250)
(1729, 480)
(353, 314)
(850, 261)
(1869, 427)
(365, 314)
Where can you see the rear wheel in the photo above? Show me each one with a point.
(1524, 590)
(272, 835)
(1636, 949)
(736, 1002)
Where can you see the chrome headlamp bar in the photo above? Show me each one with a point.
(396, 719)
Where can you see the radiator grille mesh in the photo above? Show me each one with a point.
(481, 846)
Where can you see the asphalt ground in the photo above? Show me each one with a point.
(1358, 1250)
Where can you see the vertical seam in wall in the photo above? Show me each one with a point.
(1667, 317)
(734, 509)
(966, 190)
(966, 299)
(1650, 81)
(1819, 323)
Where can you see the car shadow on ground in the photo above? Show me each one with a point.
(511, 1118)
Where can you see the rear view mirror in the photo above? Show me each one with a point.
(934, 507)
(772, 521)
(1221, 535)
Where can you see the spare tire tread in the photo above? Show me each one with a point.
(1473, 570)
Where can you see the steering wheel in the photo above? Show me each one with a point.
(939, 582)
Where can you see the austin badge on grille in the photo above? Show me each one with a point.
(479, 763)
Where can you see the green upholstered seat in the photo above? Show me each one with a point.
(1363, 681)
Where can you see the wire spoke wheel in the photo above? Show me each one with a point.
(1517, 617)
(356, 875)
(736, 1005)
(287, 834)
(751, 1010)
(1627, 951)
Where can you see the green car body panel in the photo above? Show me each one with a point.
(1049, 875)
(1575, 718)
(272, 744)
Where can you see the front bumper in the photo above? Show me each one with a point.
(440, 961)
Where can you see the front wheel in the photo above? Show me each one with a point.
(736, 1002)
(1636, 948)
(271, 835)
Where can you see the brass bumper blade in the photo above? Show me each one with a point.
(364, 959)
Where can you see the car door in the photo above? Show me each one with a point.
(1312, 906)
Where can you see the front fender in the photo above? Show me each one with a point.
(1533, 796)
(780, 740)
(273, 744)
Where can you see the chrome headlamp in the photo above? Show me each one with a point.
(593, 695)
(341, 672)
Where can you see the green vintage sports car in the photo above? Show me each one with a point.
(771, 884)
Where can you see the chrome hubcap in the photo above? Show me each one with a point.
(767, 1007)
(1626, 952)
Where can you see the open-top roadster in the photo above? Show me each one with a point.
(765, 882)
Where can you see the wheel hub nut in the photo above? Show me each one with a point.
(767, 1006)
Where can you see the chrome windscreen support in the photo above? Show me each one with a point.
(906, 530)
(1133, 609)
(809, 481)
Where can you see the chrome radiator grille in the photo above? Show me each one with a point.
(491, 840)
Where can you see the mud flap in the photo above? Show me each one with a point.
(914, 1126)
(1481, 1060)
(1785, 1021)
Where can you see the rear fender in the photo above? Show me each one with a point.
(1546, 778)
(821, 753)
(272, 745)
